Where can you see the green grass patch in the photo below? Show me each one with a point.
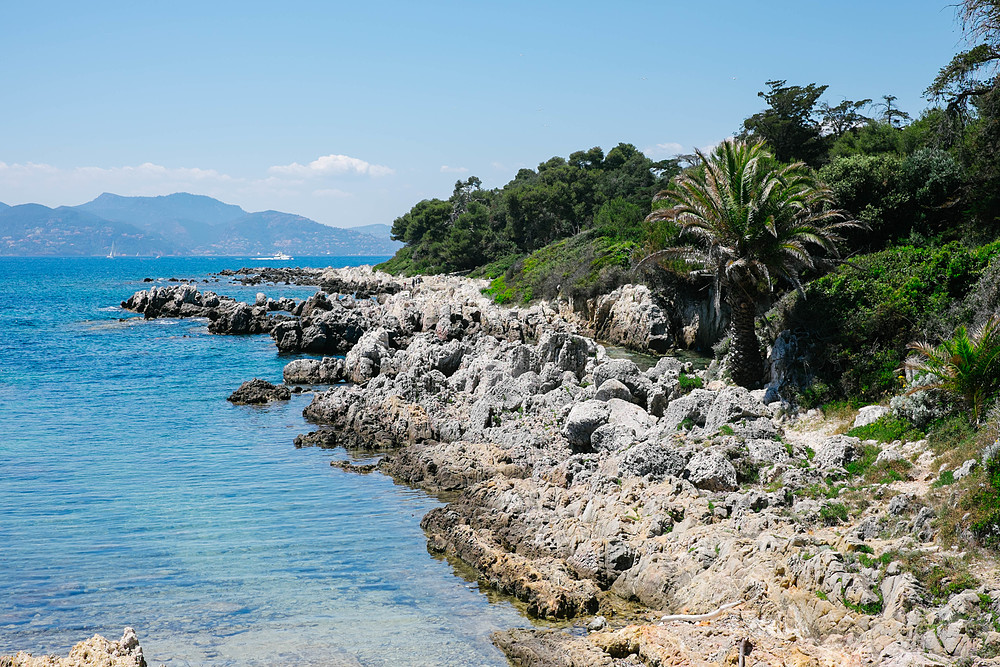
(866, 460)
(870, 608)
(689, 382)
(887, 429)
(946, 478)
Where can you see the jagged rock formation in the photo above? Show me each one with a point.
(94, 652)
(633, 316)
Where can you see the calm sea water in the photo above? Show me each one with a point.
(133, 493)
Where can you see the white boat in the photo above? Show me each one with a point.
(111, 255)
(280, 256)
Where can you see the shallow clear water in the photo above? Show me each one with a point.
(133, 493)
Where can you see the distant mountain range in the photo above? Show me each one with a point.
(177, 224)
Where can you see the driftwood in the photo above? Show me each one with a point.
(694, 618)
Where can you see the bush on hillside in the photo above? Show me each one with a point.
(579, 267)
(862, 316)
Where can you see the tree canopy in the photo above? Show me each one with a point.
(560, 198)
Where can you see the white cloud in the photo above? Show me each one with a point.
(332, 165)
(668, 149)
(445, 169)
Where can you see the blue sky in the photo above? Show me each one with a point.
(349, 114)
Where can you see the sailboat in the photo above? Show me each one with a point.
(111, 255)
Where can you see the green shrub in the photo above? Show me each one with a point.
(815, 395)
(580, 266)
(887, 429)
(868, 310)
(497, 268)
(834, 513)
(689, 382)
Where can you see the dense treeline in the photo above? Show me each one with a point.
(563, 197)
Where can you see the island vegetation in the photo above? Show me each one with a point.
(869, 233)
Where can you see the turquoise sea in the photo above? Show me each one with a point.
(133, 493)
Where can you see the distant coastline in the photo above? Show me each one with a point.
(177, 225)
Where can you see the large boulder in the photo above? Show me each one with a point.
(665, 368)
(567, 351)
(711, 471)
(94, 652)
(612, 437)
(869, 415)
(693, 408)
(651, 459)
(836, 452)
(628, 374)
(256, 391)
(628, 414)
(237, 318)
(327, 370)
(733, 404)
(763, 451)
(583, 419)
(629, 316)
(612, 388)
(365, 359)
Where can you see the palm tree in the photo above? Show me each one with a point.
(968, 365)
(752, 220)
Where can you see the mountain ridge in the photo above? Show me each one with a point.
(177, 224)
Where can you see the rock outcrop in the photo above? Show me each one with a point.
(94, 652)
(227, 315)
(257, 391)
(633, 316)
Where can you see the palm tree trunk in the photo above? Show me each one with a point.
(746, 362)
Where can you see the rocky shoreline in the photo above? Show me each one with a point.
(628, 502)
(94, 652)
